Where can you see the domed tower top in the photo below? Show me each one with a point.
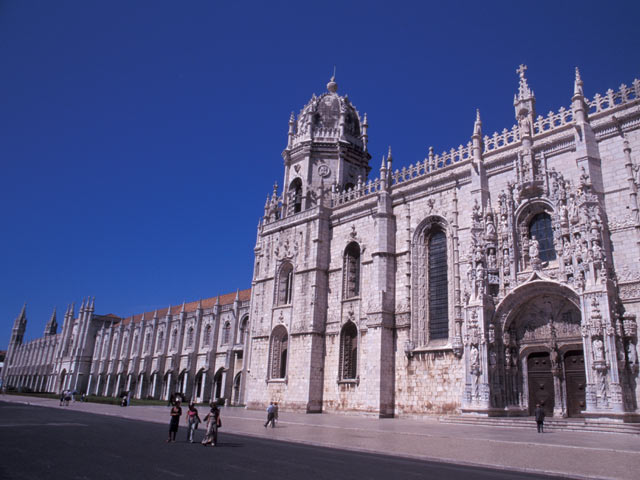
(327, 145)
(328, 118)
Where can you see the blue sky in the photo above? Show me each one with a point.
(138, 140)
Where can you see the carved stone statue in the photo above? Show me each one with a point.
(598, 350)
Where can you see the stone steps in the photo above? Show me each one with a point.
(551, 424)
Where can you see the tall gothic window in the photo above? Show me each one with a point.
(285, 284)
(351, 271)
(438, 286)
(244, 324)
(114, 347)
(174, 339)
(125, 344)
(147, 342)
(349, 352)
(226, 331)
(105, 346)
(206, 336)
(295, 195)
(190, 335)
(278, 353)
(160, 341)
(540, 230)
(134, 346)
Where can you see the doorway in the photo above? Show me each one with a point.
(576, 382)
(540, 382)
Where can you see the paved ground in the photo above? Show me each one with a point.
(570, 454)
(40, 442)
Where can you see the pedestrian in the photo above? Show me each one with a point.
(176, 413)
(539, 413)
(275, 413)
(270, 415)
(62, 395)
(213, 423)
(67, 397)
(192, 421)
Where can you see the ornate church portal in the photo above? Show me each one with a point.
(544, 336)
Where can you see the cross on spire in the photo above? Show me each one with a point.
(521, 69)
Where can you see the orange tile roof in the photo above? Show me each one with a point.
(226, 299)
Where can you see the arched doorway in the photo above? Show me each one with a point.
(236, 388)
(217, 384)
(543, 361)
(63, 377)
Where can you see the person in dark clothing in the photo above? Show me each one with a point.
(271, 415)
(539, 414)
(176, 413)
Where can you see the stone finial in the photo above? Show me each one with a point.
(365, 122)
(23, 313)
(524, 92)
(182, 310)
(332, 86)
(142, 319)
(477, 125)
(169, 310)
(93, 303)
(389, 156)
(200, 304)
(292, 119)
(155, 313)
(577, 84)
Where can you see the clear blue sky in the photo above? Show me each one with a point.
(138, 140)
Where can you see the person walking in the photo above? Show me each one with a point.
(213, 423)
(539, 414)
(270, 416)
(176, 413)
(192, 421)
(275, 413)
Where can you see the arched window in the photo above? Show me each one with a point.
(160, 341)
(226, 330)
(351, 271)
(125, 344)
(190, 335)
(295, 195)
(349, 352)
(147, 342)
(174, 339)
(105, 346)
(438, 286)
(134, 346)
(285, 284)
(243, 329)
(278, 353)
(114, 346)
(540, 230)
(206, 336)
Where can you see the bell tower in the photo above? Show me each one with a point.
(327, 145)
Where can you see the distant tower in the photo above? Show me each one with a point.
(327, 146)
(17, 335)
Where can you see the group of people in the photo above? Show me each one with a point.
(212, 420)
(66, 396)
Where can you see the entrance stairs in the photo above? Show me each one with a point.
(550, 424)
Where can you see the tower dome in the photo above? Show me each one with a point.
(329, 118)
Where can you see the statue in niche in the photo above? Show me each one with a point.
(492, 358)
(491, 259)
(598, 350)
(491, 229)
(597, 251)
(534, 249)
(632, 355)
(475, 357)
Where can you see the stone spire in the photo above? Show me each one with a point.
(524, 92)
(477, 125)
(52, 325)
(577, 84)
(22, 318)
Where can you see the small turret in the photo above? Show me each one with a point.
(52, 325)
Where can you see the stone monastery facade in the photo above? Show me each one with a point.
(486, 279)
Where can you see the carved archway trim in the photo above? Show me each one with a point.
(507, 309)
